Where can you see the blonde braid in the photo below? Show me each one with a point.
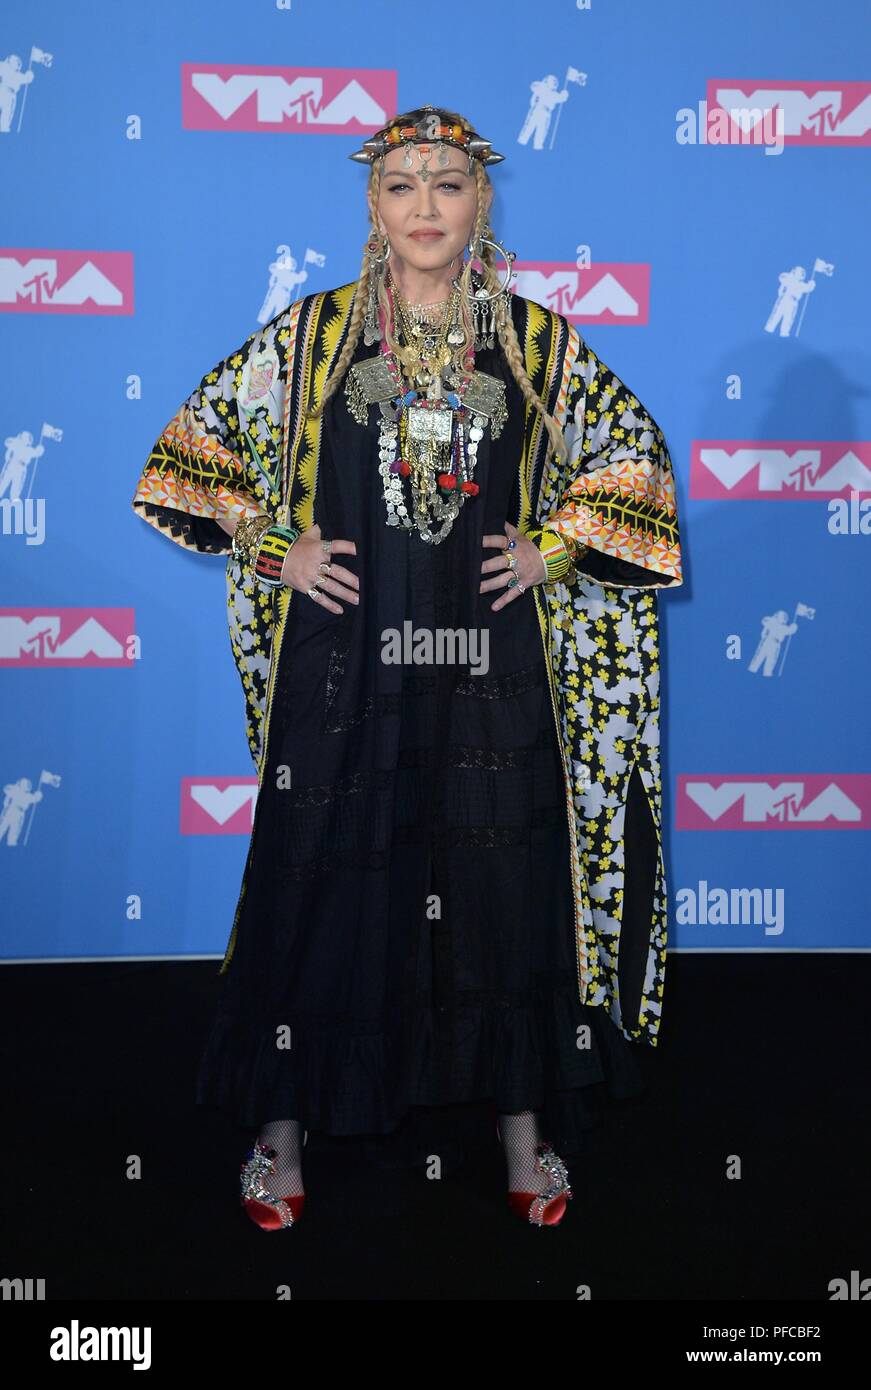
(505, 329)
(507, 335)
(358, 311)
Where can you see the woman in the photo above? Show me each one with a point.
(454, 887)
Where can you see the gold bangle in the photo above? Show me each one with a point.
(575, 548)
(246, 537)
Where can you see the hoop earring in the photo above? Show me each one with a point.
(484, 304)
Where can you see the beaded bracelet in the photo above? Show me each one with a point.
(559, 553)
(274, 545)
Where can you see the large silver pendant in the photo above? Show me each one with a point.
(485, 395)
(426, 424)
(430, 428)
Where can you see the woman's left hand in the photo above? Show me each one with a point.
(529, 567)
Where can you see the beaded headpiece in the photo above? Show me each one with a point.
(431, 130)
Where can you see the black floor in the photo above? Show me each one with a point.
(763, 1058)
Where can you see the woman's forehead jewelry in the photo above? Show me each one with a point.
(431, 133)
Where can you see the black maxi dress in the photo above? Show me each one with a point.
(406, 933)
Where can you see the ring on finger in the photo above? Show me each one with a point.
(511, 561)
(325, 567)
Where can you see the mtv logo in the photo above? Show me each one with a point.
(65, 282)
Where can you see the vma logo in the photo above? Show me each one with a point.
(65, 282)
(815, 801)
(811, 113)
(217, 805)
(601, 293)
(68, 637)
(783, 469)
(320, 101)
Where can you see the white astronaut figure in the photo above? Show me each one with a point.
(11, 79)
(18, 798)
(20, 450)
(545, 97)
(774, 629)
(283, 280)
(793, 287)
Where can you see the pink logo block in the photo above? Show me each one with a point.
(319, 101)
(603, 293)
(778, 801)
(808, 113)
(66, 637)
(65, 282)
(217, 805)
(791, 470)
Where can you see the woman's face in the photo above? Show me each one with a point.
(428, 221)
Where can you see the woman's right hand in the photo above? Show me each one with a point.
(300, 570)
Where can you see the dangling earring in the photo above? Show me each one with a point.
(378, 255)
(484, 305)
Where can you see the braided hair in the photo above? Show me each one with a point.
(505, 330)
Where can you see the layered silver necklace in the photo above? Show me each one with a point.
(433, 419)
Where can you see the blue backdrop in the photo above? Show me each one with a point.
(171, 170)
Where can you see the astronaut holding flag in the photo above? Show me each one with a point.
(820, 268)
(547, 96)
(18, 799)
(284, 279)
(12, 79)
(794, 288)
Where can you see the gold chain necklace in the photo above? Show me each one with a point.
(425, 352)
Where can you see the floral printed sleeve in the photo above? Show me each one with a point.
(616, 494)
(218, 455)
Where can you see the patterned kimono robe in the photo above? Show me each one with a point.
(240, 445)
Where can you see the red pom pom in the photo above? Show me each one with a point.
(471, 488)
(404, 468)
(447, 481)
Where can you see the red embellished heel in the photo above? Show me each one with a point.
(268, 1212)
(549, 1207)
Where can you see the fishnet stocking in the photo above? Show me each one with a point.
(286, 1138)
(519, 1135)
